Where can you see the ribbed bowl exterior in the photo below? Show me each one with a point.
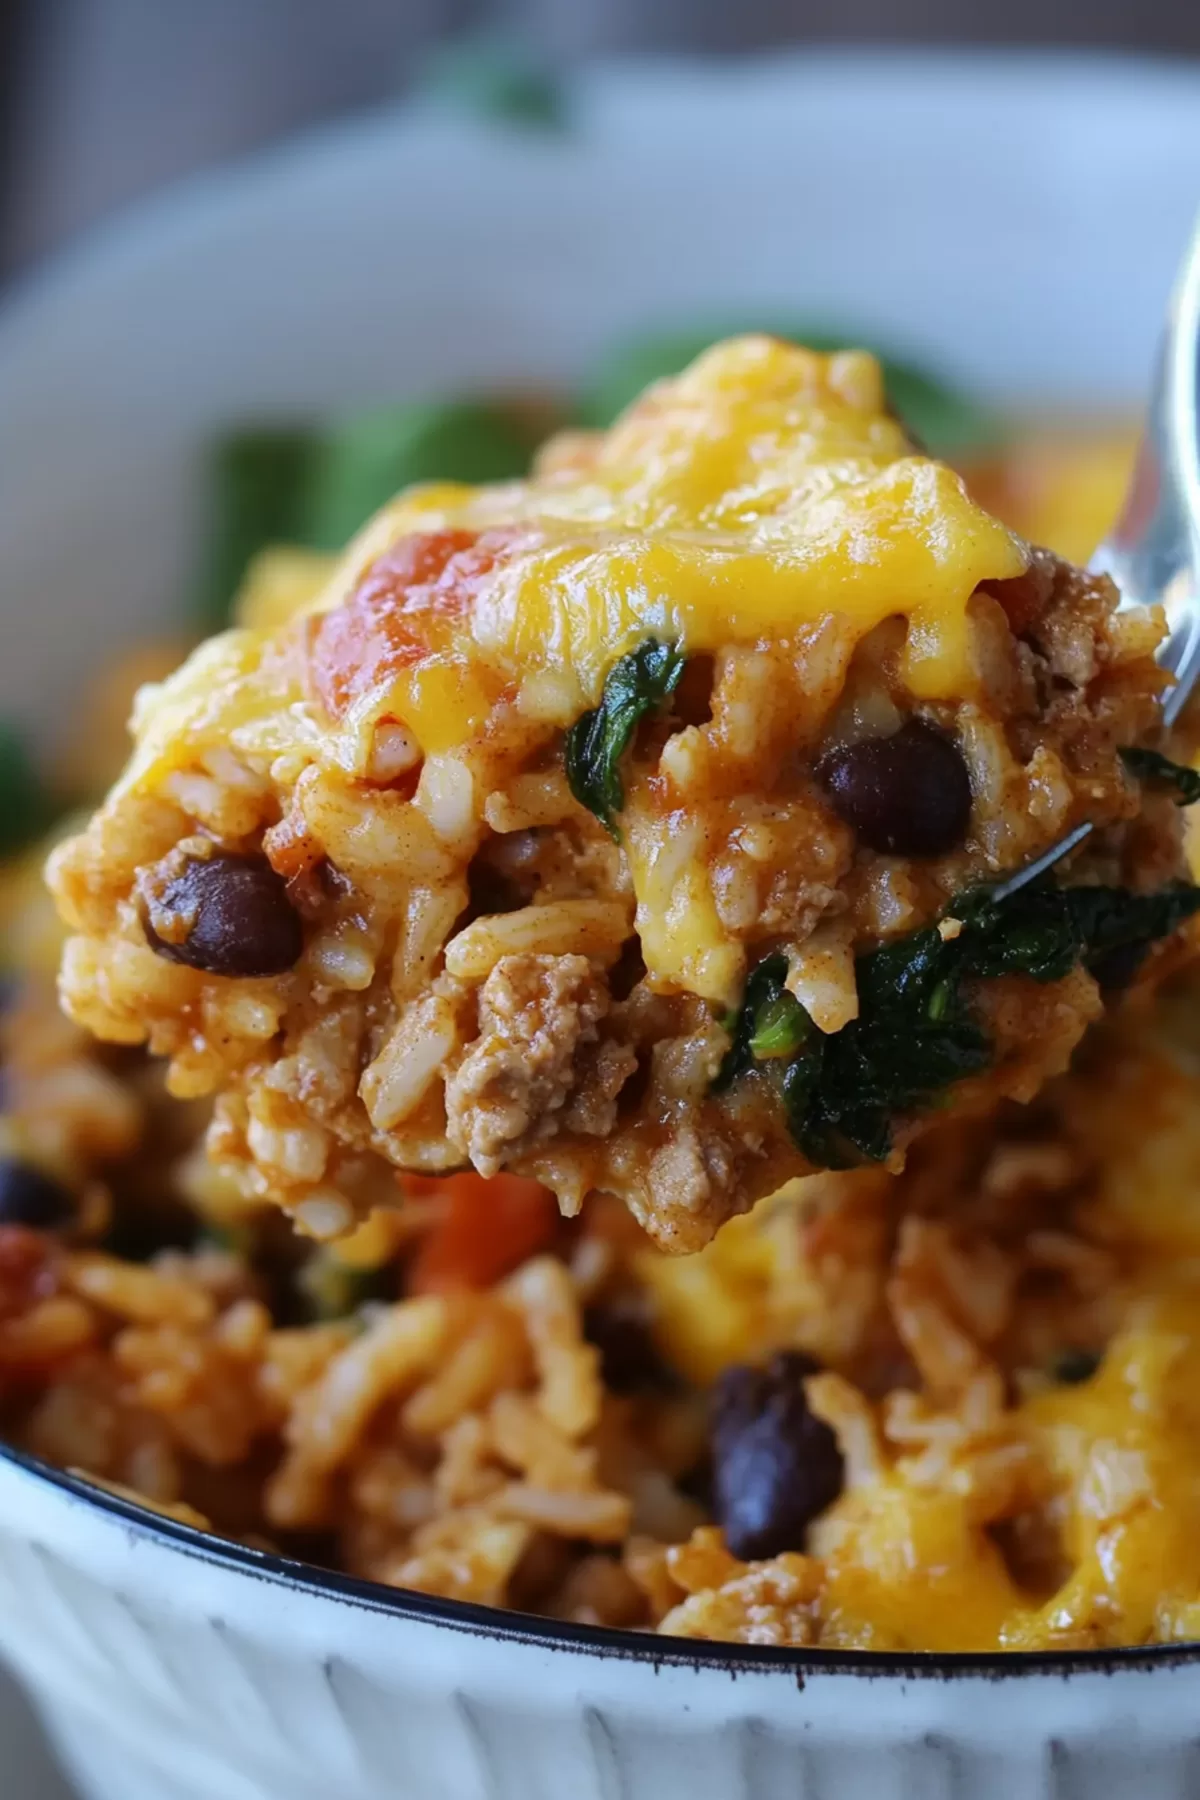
(166, 1669)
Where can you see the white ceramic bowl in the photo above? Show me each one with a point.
(173, 1667)
(1014, 219)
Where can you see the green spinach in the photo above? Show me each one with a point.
(259, 480)
(916, 1033)
(1153, 767)
(316, 487)
(781, 1029)
(27, 810)
(361, 463)
(595, 744)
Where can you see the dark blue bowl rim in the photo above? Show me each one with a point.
(592, 1640)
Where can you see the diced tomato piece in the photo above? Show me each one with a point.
(397, 614)
(484, 1230)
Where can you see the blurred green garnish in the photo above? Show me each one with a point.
(360, 465)
(332, 1289)
(26, 808)
(496, 77)
(944, 421)
(315, 488)
(259, 486)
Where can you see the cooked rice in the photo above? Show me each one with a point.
(465, 1443)
(486, 976)
(448, 1399)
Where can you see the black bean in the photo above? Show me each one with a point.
(1074, 1366)
(139, 1233)
(907, 795)
(492, 889)
(30, 1197)
(240, 921)
(775, 1464)
(629, 1359)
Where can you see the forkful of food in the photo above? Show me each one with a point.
(726, 801)
(1153, 551)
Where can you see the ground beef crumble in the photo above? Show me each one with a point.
(538, 1017)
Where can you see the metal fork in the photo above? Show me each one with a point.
(1153, 553)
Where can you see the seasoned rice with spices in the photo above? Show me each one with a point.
(950, 1408)
(562, 831)
(1002, 1343)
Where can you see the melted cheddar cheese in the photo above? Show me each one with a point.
(764, 490)
(753, 499)
(1108, 1467)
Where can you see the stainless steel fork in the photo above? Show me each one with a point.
(1153, 553)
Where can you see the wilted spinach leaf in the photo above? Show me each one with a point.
(782, 1027)
(1112, 920)
(764, 985)
(914, 1036)
(916, 1033)
(1033, 932)
(595, 744)
(1152, 766)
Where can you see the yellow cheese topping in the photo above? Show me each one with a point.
(1111, 1463)
(760, 493)
(756, 497)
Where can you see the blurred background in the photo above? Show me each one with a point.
(102, 100)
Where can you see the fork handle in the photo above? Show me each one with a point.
(1153, 552)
